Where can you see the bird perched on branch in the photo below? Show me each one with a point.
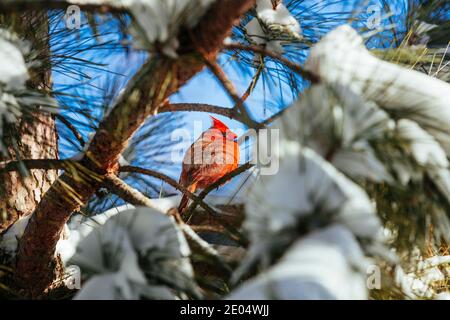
(213, 155)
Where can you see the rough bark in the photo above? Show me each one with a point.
(20, 195)
(32, 138)
(158, 79)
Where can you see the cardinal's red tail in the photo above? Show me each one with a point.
(185, 199)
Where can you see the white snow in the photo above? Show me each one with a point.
(425, 149)
(327, 264)
(121, 281)
(427, 152)
(273, 26)
(13, 76)
(305, 184)
(110, 251)
(443, 296)
(14, 71)
(420, 36)
(308, 193)
(434, 262)
(419, 283)
(158, 20)
(341, 58)
(256, 33)
(11, 237)
(279, 15)
(80, 227)
(333, 118)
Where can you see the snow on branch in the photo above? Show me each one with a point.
(345, 129)
(13, 76)
(339, 125)
(14, 69)
(306, 194)
(273, 26)
(10, 238)
(129, 112)
(132, 254)
(158, 22)
(307, 185)
(14, 96)
(341, 58)
(427, 152)
(424, 282)
(327, 264)
(366, 106)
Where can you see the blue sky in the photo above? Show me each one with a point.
(203, 88)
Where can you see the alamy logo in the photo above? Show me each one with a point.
(374, 20)
(373, 277)
(73, 17)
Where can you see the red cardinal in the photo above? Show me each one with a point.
(212, 156)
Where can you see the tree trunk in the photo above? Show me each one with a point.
(147, 91)
(32, 138)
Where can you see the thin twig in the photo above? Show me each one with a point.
(201, 244)
(72, 128)
(217, 184)
(224, 111)
(253, 83)
(264, 52)
(229, 87)
(135, 197)
(198, 107)
(197, 200)
(42, 164)
(213, 229)
(127, 192)
(171, 182)
(274, 117)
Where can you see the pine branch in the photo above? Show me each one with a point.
(10, 6)
(171, 182)
(239, 106)
(205, 248)
(72, 128)
(126, 192)
(212, 229)
(264, 52)
(135, 197)
(223, 111)
(274, 117)
(198, 200)
(198, 107)
(148, 89)
(44, 164)
(216, 185)
(253, 83)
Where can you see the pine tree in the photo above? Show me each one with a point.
(363, 178)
